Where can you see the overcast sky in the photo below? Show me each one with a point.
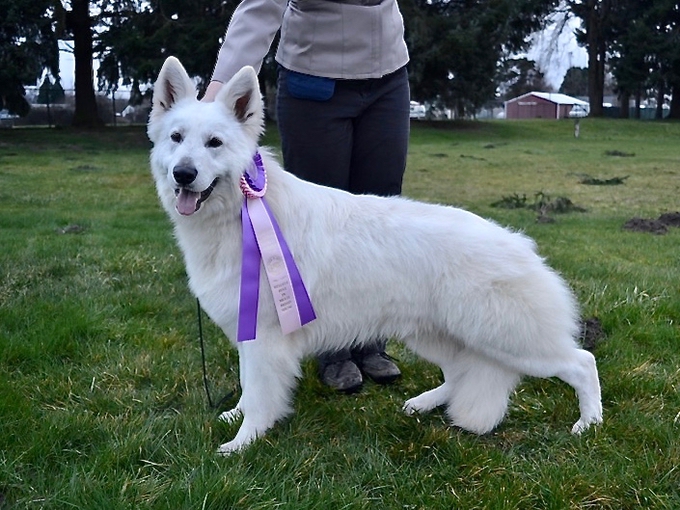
(556, 51)
(66, 65)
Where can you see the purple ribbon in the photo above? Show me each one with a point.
(255, 243)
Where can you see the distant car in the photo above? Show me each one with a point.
(7, 119)
(578, 112)
(417, 110)
(5, 115)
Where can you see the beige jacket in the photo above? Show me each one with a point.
(346, 39)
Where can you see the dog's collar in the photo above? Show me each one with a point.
(263, 242)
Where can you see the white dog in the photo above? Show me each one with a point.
(460, 291)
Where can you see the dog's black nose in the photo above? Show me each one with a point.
(184, 174)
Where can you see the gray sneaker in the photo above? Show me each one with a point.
(342, 376)
(379, 367)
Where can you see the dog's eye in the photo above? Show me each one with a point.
(214, 143)
(176, 137)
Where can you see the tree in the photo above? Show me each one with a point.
(458, 46)
(28, 42)
(522, 77)
(575, 82)
(140, 36)
(665, 14)
(28, 45)
(78, 23)
(631, 63)
(643, 50)
(595, 35)
(50, 92)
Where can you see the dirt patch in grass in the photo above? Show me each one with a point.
(671, 219)
(658, 226)
(597, 181)
(85, 168)
(474, 158)
(620, 154)
(543, 204)
(594, 181)
(591, 334)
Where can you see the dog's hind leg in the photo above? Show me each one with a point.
(480, 389)
(581, 374)
(574, 366)
(268, 372)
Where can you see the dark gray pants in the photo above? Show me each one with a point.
(356, 140)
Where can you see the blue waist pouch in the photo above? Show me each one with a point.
(306, 86)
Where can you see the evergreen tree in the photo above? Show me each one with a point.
(140, 36)
(665, 21)
(77, 23)
(458, 46)
(522, 77)
(28, 45)
(644, 54)
(596, 35)
(575, 82)
(50, 92)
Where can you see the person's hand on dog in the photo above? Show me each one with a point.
(211, 91)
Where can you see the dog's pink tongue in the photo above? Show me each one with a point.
(186, 202)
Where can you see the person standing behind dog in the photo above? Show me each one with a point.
(342, 111)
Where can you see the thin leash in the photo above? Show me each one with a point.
(229, 395)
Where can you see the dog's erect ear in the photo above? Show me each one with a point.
(242, 96)
(173, 84)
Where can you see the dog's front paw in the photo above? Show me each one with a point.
(416, 406)
(426, 402)
(230, 417)
(246, 435)
(409, 409)
(229, 448)
(584, 424)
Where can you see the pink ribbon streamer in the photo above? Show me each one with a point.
(264, 244)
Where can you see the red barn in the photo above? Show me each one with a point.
(542, 105)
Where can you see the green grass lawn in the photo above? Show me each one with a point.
(101, 397)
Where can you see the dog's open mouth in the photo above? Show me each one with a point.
(188, 202)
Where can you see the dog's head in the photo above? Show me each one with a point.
(201, 149)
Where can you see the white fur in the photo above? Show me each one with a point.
(462, 292)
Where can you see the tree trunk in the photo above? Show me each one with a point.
(624, 102)
(80, 22)
(661, 91)
(675, 101)
(596, 56)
